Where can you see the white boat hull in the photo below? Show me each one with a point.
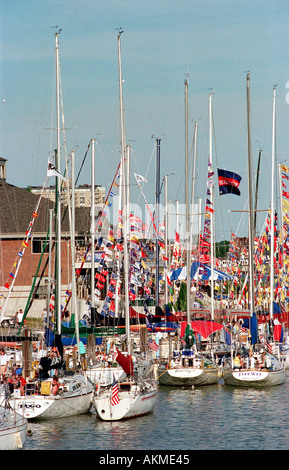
(187, 376)
(13, 430)
(43, 407)
(75, 399)
(132, 403)
(254, 378)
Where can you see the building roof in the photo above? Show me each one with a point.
(17, 206)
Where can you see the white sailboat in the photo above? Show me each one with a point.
(136, 395)
(190, 367)
(74, 393)
(102, 370)
(74, 397)
(13, 427)
(258, 367)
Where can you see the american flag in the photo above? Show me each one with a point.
(269, 348)
(152, 344)
(114, 393)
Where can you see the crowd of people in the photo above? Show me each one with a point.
(252, 361)
(11, 373)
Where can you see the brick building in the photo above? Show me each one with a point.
(17, 206)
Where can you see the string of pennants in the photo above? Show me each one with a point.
(137, 252)
(16, 265)
(139, 274)
(99, 222)
(262, 254)
(205, 237)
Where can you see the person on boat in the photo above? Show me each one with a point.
(268, 362)
(237, 362)
(261, 361)
(20, 316)
(16, 319)
(252, 360)
(55, 385)
(10, 384)
(22, 384)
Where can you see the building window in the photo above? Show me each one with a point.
(38, 245)
(42, 290)
(82, 200)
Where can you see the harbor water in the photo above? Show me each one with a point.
(215, 417)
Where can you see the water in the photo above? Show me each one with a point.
(216, 417)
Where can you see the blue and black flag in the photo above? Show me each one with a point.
(228, 182)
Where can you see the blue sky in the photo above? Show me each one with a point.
(215, 42)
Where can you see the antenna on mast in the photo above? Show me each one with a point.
(59, 31)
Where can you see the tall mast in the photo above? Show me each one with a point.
(58, 190)
(272, 207)
(212, 215)
(251, 231)
(123, 188)
(188, 228)
(157, 221)
(92, 273)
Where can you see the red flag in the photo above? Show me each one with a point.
(125, 362)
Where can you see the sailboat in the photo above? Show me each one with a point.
(49, 397)
(136, 395)
(256, 367)
(13, 427)
(188, 367)
(101, 369)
